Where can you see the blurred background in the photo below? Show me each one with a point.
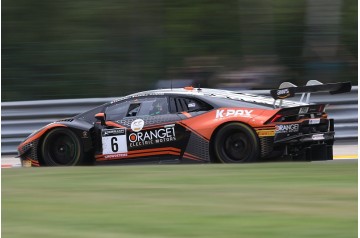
(90, 48)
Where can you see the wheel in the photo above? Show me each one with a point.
(61, 147)
(236, 143)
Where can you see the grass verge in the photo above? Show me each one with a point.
(249, 200)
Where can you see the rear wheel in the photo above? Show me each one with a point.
(61, 147)
(236, 143)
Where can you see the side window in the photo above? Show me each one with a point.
(154, 106)
(117, 111)
(187, 105)
(133, 109)
(148, 106)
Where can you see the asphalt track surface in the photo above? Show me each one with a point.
(342, 151)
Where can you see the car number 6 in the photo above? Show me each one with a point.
(114, 141)
(114, 144)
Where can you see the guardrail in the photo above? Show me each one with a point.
(19, 119)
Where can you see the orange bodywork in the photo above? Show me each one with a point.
(140, 153)
(114, 124)
(205, 124)
(40, 133)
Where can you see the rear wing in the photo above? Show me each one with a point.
(287, 90)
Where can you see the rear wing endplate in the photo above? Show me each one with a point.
(287, 90)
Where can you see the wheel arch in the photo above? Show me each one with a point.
(86, 141)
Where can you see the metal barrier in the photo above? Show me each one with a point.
(19, 119)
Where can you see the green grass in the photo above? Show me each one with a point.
(252, 200)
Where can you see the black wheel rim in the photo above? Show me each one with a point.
(236, 146)
(62, 149)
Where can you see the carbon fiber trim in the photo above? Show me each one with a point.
(31, 151)
(34, 151)
(198, 147)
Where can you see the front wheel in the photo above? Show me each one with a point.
(61, 147)
(236, 143)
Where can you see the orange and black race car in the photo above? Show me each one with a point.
(190, 125)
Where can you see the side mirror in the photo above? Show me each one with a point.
(101, 117)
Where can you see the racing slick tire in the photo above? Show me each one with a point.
(236, 143)
(62, 147)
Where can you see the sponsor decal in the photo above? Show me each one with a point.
(191, 105)
(137, 125)
(26, 163)
(136, 96)
(113, 132)
(318, 137)
(85, 134)
(264, 133)
(283, 93)
(233, 113)
(153, 136)
(314, 121)
(303, 110)
(114, 156)
(288, 128)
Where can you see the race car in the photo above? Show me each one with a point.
(190, 124)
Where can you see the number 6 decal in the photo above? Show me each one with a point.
(114, 145)
(114, 141)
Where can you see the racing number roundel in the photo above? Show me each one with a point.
(114, 141)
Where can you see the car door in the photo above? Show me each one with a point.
(188, 108)
(143, 129)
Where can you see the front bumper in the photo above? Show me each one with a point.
(27, 152)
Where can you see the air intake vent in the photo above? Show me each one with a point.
(66, 119)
